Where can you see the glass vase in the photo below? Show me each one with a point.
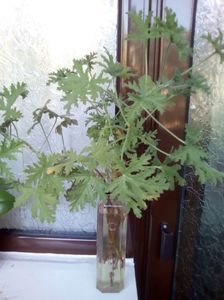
(111, 246)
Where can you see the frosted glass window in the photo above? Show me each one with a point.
(36, 38)
(200, 267)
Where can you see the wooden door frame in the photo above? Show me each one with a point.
(154, 277)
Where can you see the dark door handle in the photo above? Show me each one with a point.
(167, 242)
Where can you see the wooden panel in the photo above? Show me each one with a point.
(27, 242)
(154, 277)
(131, 53)
(159, 274)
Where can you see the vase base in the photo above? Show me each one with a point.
(116, 287)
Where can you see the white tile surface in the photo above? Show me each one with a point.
(29, 276)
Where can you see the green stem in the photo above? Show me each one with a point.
(63, 141)
(122, 112)
(118, 140)
(49, 133)
(164, 59)
(10, 129)
(46, 138)
(17, 134)
(199, 64)
(146, 59)
(106, 110)
(22, 154)
(180, 86)
(125, 142)
(100, 174)
(166, 129)
(148, 116)
(30, 147)
(117, 127)
(21, 140)
(159, 150)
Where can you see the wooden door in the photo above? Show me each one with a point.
(154, 275)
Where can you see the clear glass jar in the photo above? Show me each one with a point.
(111, 246)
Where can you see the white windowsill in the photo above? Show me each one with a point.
(31, 276)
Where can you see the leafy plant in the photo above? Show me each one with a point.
(10, 145)
(7, 200)
(110, 163)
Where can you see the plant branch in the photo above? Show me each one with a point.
(100, 174)
(146, 59)
(21, 140)
(45, 137)
(164, 127)
(17, 134)
(63, 141)
(159, 150)
(122, 112)
(164, 59)
(197, 65)
(125, 142)
(49, 134)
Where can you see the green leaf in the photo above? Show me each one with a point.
(65, 124)
(42, 174)
(11, 115)
(12, 93)
(133, 189)
(113, 68)
(25, 194)
(9, 148)
(86, 188)
(38, 170)
(169, 28)
(8, 151)
(140, 30)
(6, 202)
(144, 95)
(194, 134)
(181, 86)
(101, 153)
(40, 112)
(44, 206)
(206, 173)
(8, 98)
(64, 164)
(137, 183)
(90, 60)
(190, 155)
(5, 170)
(57, 76)
(43, 203)
(5, 184)
(78, 85)
(197, 157)
(198, 82)
(217, 43)
(171, 173)
(97, 124)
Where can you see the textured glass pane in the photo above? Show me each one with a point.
(200, 267)
(38, 37)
